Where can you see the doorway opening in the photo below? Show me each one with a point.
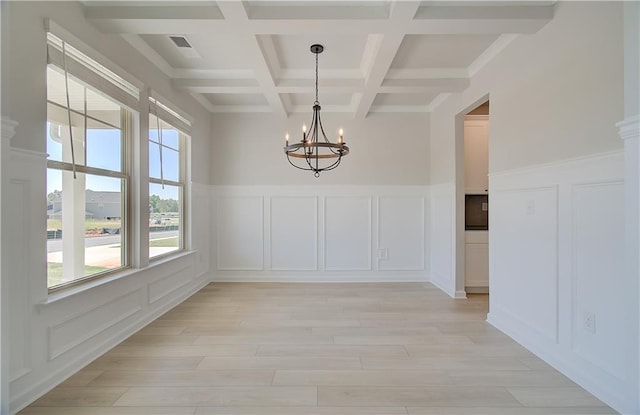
(473, 199)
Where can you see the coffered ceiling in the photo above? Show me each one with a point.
(380, 56)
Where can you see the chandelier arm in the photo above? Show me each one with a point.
(297, 167)
(334, 165)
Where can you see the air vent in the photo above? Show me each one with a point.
(180, 41)
(184, 47)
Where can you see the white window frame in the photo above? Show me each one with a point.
(97, 77)
(159, 107)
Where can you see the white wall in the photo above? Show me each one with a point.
(386, 149)
(52, 336)
(556, 198)
(276, 223)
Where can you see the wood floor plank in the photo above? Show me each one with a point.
(222, 396)
(109, 362)
(265, 339)
(361, 377)
(557, 396)
(331, 350)
(302, 410)
(275, 363)
(414, 396)
(107, 410)
(82, 378)
(81, 396)
(139, 378)
(510, 411)
(184, 350)
(509, 378)
(402, 340)
(443, 363)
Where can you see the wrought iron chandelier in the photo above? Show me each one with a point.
(319, 154)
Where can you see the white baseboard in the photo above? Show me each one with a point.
(320, 278)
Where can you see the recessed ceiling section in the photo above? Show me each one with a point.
(403, 99)
(340, 52)
(310, 10)
(218, 52)
(440, 51)
(231, 100)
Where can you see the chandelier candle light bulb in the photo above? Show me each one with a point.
(319, 154)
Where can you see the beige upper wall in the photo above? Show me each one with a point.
(386, 149)
(554, 95)
(24, 77)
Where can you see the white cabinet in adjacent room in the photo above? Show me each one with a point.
(476, 261)
(476, 154)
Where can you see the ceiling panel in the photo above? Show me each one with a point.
(236, 99)
(441, 51)
(215, 52)
(404, 99)
(324, 98)
(340, 52)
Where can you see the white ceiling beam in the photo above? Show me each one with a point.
(512, 12)
(218, 86)
(262, 66)
(427, 73)
(420, 86)
(153, 11)
(385, 51)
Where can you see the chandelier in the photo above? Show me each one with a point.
(319, 154)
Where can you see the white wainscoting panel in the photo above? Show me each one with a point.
(598, 275)
(201, 226)
(294, 233)
(525, 257)
(556, 247)
(320, 233)
(401, 233)
(348, 231)
(240, 233)
(19, 304)
(162, 287)
(85, 325)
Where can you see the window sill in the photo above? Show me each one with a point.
(64, 294)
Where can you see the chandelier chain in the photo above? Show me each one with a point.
(317, 102)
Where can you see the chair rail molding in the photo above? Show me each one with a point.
(627, 129)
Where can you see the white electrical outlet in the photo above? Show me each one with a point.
(382, 253)
(589, 321)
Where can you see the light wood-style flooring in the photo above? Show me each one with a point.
(320, 349)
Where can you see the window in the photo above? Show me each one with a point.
(88, 138)
(166, 180)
